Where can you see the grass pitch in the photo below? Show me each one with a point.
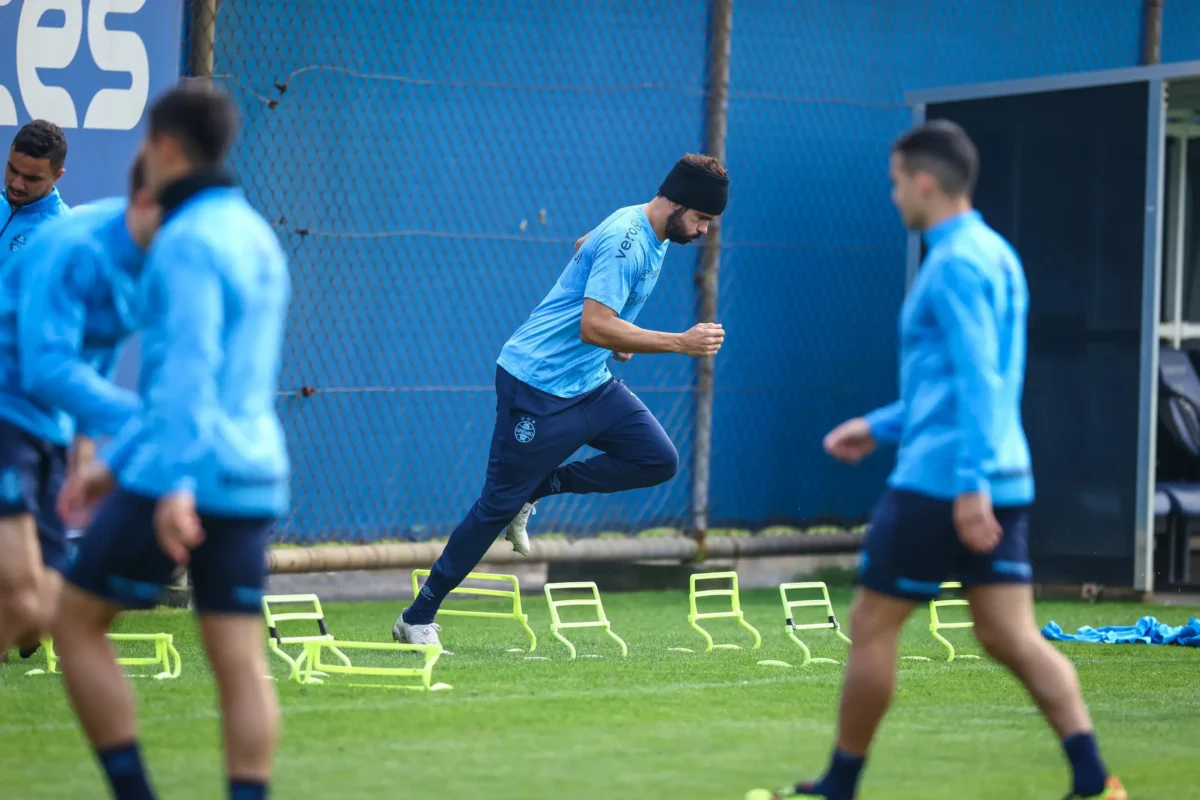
(658, 724)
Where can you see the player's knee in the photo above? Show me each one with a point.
(22, 606)
(80, 615)
(863, 623)
(238, 669)
(491, 511)
(37, 627)
(661, 464)
(876, 621)
(1003, 642)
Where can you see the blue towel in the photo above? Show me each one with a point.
(1148, 630)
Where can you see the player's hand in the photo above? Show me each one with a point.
(704, 339)
(976, 522)
(178, 526)
(82, 451)
(850, 442)
(622, 357)
(85, 487)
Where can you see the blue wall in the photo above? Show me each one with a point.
(418, 143)
(132, 56)
(814, 274)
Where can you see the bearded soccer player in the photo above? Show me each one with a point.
(555, 393)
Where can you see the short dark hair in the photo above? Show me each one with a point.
(137, 176)
(945, 151)
(705, 164)
(201, 117)
(42, 139)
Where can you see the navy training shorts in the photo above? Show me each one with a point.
(32, 472)
(119, 558)
(912, 547)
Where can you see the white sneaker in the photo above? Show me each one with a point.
(516, 531)
(415, 634)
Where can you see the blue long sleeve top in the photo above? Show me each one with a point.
(214, 297)
(962, 370)
(66, 309)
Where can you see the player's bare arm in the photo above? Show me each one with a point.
(600, 326)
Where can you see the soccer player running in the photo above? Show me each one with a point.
(958, 500)
(74, 288)
(34, 164)
(199, 475)
(554, 391)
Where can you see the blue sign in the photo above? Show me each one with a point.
(91, 67)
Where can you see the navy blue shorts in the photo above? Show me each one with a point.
(119, 559)
(31, 473)
(912, 547)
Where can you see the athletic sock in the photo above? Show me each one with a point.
(125, 771)
(247, 790)
(841, 781)
(1089, 771)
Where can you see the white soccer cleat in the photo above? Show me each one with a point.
(516, 531)
(415, 634)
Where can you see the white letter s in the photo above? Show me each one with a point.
(123, 52)
(47, 48)
(8, 109)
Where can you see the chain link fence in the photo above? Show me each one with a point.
(429, 164)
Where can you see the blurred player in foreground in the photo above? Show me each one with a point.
(957, 503)
(75, 287)
(33, 165)
(199, 475)
(554, 391)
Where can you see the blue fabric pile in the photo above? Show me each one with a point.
(1148, 630)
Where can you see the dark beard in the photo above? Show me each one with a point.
(675, 230)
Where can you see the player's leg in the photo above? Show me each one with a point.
(118, 565)
(52, 538)
(1001, 597)
(905, 558)
(228, 572)
(98, 689)
(49, 594)
(21, 462)
(20, 578)
(875, 623)
(636, 451)
(532, 436)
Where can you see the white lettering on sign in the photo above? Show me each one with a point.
(8, 109)
(117, 51)
(42, 47)
(47, 48)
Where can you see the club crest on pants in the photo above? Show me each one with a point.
(525, 431)
(11, 488)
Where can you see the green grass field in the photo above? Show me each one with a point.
(659, 724)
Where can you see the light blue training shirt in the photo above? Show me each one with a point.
(618, 265)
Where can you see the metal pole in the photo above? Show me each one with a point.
(1143, 555)
(404, 555)
(203, 38)
(1177, 237)
(716, 113)
(1152, 14)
